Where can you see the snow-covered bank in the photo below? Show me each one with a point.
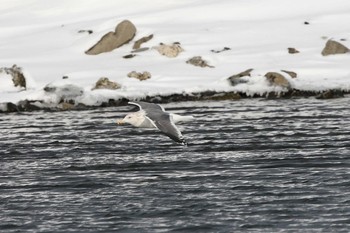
(45, 38)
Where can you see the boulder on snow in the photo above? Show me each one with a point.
(236, 78)
(17, 75)
(333, 47)
(293, 50)
(140, 76)
(277, 79)
(138, 43)
(290, 73)
(105, 83)
(124, 32)
(198, 61)
(172, 50)
(242, 74)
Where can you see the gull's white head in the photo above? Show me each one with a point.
(135, 119)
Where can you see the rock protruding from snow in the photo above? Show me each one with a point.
(17, 75)
(277, 79)
(198, 61)
(172, 50)
(105, 83)
(293, 50)
(236, 78)
(124, 32)
(291, 73)
(220, 50)
(138, 43)
(333, 47)
(140, 76)
(86, 31)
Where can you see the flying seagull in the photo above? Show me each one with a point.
(154, 116)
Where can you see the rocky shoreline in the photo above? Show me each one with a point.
(65, 95)
(35, 105)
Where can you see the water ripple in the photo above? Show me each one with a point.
(250, 166)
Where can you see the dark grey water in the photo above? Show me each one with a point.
(250, 166)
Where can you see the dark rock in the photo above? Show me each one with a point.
(330, 94)
(301, 93)
(49, 88)
(220, 51)
(198, 61)
(66, 100)
(306, 23)
(225, 96)
(124, 32)
(11, 107)
(333, 47)
(145, 39)
(272, 95)
(85, 31)
(81, 106)
(129, 56)
(27, 105)
(114, 103)
(292, 50)
(140, 50)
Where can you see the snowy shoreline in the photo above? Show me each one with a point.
(29, 106)
(54, 44)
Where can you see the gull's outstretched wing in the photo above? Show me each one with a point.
(162, 120)
(147, 107)
(165, 123)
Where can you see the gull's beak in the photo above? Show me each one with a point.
(120, 121)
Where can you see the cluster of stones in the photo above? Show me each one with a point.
(125, 32)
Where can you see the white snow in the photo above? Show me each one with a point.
(42, 37)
